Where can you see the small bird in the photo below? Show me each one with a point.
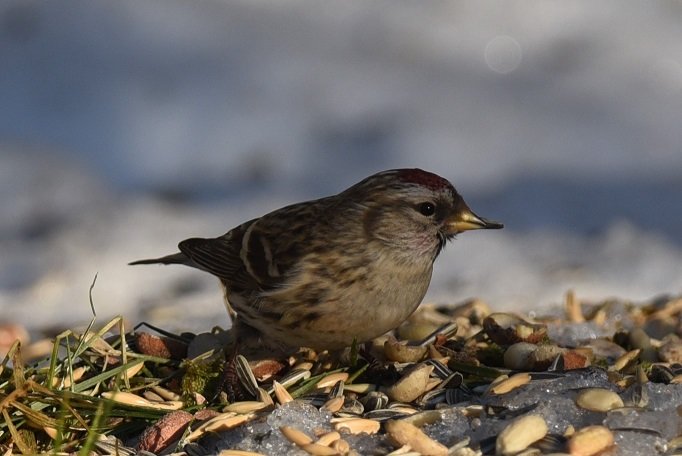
(346, 268)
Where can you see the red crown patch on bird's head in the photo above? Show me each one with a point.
(424, 178)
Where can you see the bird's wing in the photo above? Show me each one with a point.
(221, 256)
(264, 253)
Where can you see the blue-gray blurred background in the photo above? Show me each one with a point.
(127, 126)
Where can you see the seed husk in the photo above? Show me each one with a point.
(245, 406)
(341, 446)
(296, 375)
(166, 393)
(246, 377)
(598, 400)
(133, 399)
(328, 438)
(319, 450)
(402, 352)
(222, 422)
(295, 435)
(626, 360)
(402, 433)
(334, 404)
(520, 433)
(357, 425)
(374, 400)
(281, 393)
(330, 380)
(505, 385)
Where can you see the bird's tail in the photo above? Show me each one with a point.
(175, 258)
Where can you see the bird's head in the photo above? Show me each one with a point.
(414, 210)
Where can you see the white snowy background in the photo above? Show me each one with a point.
(129, 125)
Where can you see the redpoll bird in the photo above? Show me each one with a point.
(344, 268)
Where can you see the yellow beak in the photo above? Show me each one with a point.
(466, 220)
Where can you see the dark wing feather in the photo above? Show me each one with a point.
(262, 254)
(221, 256)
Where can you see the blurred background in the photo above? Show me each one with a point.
(128, 126)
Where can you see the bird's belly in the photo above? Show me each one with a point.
(356, 314)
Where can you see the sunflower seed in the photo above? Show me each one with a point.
(246, 377)
(383, 414)
(337, 389)
(352, 407)
(440, 370)
(295, 376)
(374, 400)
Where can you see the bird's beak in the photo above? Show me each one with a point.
(465, 220)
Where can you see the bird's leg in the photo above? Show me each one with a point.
(229, 382)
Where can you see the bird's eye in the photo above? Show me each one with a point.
(427, 209)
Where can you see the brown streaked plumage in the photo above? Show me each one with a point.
(347, 267)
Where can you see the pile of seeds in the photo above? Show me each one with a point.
(601, 379)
